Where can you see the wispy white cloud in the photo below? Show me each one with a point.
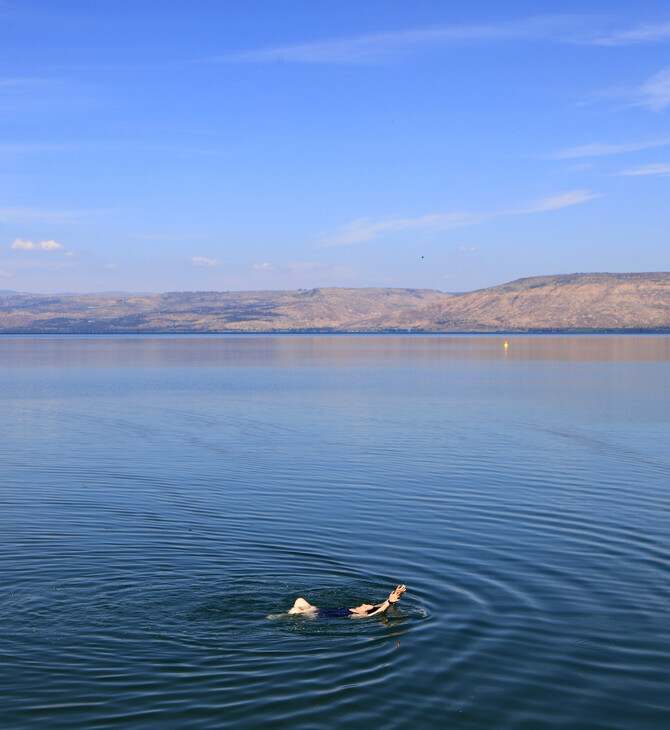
(20, 245)
(654, 94)
(5, 273)
(111, 266)
(263, 267)
(202, 261)
(651, 33)
(379, 47)
(363, 230)
(366, 229)
(655, 168)
(597, 149)
(564, 200)
(468, 249)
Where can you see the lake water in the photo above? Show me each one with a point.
(162, 496)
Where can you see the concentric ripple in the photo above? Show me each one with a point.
(162, 497)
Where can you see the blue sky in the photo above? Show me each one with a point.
(228, 145)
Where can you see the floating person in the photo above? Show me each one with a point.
(301, 606)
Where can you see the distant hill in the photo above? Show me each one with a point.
(570, 302)
(563, 303)
(331, 309)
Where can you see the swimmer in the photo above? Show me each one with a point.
(365, 609)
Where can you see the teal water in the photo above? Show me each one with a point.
(160, 497)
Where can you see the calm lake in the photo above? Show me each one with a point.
(160, 497)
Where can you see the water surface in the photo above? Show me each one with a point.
(161, 496)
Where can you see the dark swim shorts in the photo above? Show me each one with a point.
(333, 612)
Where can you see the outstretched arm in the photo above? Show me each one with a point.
(368, 609)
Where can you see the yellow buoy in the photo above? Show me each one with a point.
(506, 345)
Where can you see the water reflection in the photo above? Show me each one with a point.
(314, 350)
(161, 496)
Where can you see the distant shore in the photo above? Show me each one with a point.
(635, 303)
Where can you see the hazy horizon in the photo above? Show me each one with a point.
(121, 292)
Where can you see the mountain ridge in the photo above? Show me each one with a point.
(593, 302)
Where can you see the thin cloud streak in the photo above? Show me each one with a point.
(642, 34)
(363, 230)
(655, 168)
(378, 47)
(655, 93)
(597, 148)
(564, 200)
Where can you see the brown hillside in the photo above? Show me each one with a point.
(573, 302)
(552, 303)
(261, 311)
